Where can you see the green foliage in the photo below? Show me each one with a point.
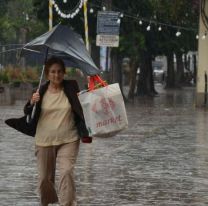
(8, 34)
(135, 38)
(70, 72)
(18, 17)
(178, 12)
(4, 77)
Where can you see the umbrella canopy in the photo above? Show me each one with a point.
(63, 42)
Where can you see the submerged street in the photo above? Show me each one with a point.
(161, 159)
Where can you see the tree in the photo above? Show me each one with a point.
(142, 46)
(3, 9)
(184, 13)
(18, 25)
(137, 43)
(19, 22)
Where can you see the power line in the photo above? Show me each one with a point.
(5, 45)
(136, 18)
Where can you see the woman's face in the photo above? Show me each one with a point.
(55, 74)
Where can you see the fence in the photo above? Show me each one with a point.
(6, 95)
(10, 55)
(9, 93)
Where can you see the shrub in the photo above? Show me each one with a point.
(17, 75)
(16, 83)
(31, 74)
(70, 72)
(4, 77)
(35, 83)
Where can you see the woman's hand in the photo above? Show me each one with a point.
(35, 97)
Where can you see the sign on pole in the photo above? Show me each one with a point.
(107, 40)
(108, 26)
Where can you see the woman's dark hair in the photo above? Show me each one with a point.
(54, 60)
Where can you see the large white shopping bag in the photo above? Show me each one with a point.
(104, 110)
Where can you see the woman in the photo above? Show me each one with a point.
(57, 126)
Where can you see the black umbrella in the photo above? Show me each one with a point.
(63, 42)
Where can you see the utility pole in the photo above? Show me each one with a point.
(50, 17)
(107, 5)
(86, 25)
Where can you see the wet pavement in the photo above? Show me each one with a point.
(161, 160)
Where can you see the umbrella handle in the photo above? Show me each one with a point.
(33, 111)
(30, 117)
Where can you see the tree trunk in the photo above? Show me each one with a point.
(170, 80)
(188, 73)
(151, 81)
(133, 73)
(145, 84)
(179, 70)
(186, 63)
(115, 73)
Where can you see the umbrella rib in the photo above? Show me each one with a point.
(32, 50)
(58, 54)
(10, 50)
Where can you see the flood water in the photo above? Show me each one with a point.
(161, 159)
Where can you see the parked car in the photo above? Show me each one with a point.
(159, 74)
(1, 66)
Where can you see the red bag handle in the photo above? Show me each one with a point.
(93, 80)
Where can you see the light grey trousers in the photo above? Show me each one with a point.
(63, 157)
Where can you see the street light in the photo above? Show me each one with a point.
(27, 17)
(178, 33)
(148, 28)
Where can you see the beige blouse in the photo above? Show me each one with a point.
(56, 124)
